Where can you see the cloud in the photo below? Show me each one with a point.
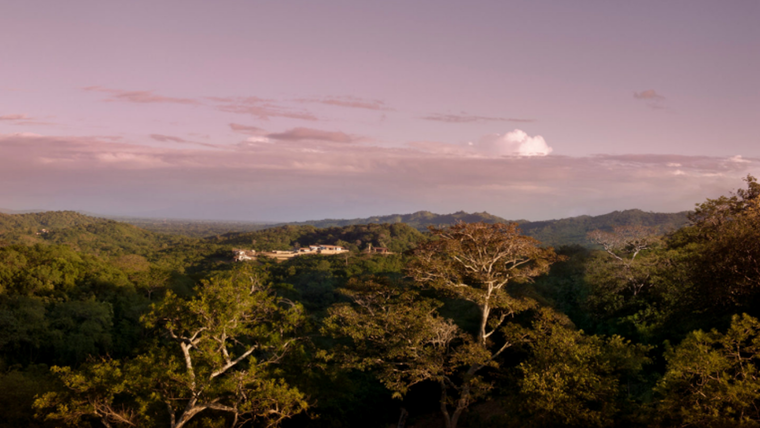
(465, 118)
(305, 134)
(294, 182)
(245, 129)
(653, 100)
(165, 138)
(168, 138)
(350, 102)
(649, 94)
(140, 97)
(514, 143)
(14, 117)
(23, 119)
(259, 107)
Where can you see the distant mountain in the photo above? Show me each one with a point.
(103, 236)
(565, 231)
(419, 220)
(573, 230)
(6, 211)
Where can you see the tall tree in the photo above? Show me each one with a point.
(217, 354)
(573, 379)
(479, 263)
(394, 331)
(713, 379)
(723, 248)
(624, 243)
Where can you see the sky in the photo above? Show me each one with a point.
(301, 110)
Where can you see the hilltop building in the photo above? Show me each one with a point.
(325, 250)
(377, 250)
(243, 255)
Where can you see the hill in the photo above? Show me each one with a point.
(573, 230)
(565, 231)
(192, 228)
(28, 228)
(84, 233)
(419, 220)
(142, 236)
(397, 237)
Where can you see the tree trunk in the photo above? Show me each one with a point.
(444, 406)
(485, 311)
(402, 419)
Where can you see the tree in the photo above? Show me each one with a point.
(477, 263)
(714, 212)
(218, 354)
(723, 249)
(572, 379)
(624, 243)
(393, 330)
(713, 379)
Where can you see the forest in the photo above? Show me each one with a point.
(627, 320)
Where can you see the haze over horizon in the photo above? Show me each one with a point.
(296, 110)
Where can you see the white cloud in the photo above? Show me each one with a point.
(257, 139)
(514, 143)
(738, 159)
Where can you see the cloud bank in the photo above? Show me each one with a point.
(260, 108)
(466, 118)
(290, 181)
(140, 97)
(306, 134)
(350, 102)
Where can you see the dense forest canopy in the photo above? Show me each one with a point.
(652, 321)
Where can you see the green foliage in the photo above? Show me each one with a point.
(573, 231)
(119, 311)
(192, 228)
(18, 388)
(31, 224)
(396, 237)
(87, 234)
(571, 379)
(58, 306)
(480, 263)
(394, 331)
(220, 354)
(712, 379)
(110, 238)
(567, 231)
(723, 249)
(419, 220)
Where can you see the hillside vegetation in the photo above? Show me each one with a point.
(398, 237)
(651, 322)
(419, 220)
(573, 230)
(568, 231)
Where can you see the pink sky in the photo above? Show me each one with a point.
(296, 110)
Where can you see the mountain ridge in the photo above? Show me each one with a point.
(556, 232)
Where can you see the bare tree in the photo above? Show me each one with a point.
(624, 244)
